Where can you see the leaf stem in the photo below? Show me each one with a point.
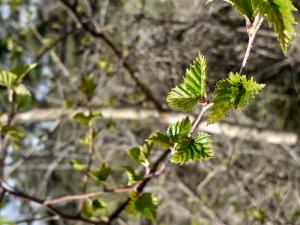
(251, 34)
(198, 119)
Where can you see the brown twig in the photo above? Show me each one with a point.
(98, 33)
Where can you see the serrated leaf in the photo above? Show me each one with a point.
(232, 93)
(186, 95)
(161, 139)
(188, 149)
(23, 97)
(132, 176)
(144, 204)
(86, 119)
(102, 173)
(8, 79)
(244, 7)
(279, 14)
(180, 128)
(21, 70)
(78, 164)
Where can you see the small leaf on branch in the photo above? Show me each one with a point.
(102, 173)
(187, 94)
(161, 139)
(132, 176)
(188, 149)
(23, 97)
(232, 93)
(22, 70)
(8, 79)
(181, 128)
(144, 204)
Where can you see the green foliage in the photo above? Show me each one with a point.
(78, 164)
(180, 128)
(8, 79)
(279, 14)
(132, 176)
(102, 173)
(91, 207)
(21, 70)
(140, 154)
(188, 149)
(232, 93)
(144, 204)
(86, 120)
(11, 79)
(186, 95)
(5, 221)
(161, 139)
(23, 97)
(137, 154)
(88, 87)
(14, 135)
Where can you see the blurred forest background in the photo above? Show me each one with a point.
(135, 51)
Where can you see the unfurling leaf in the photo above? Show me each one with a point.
(189, 149)
(137, 154)
(181, 128)
(102, 173)
(161, 139)
(132, 176)
(186, 95)
(232, 93)
(144, 204)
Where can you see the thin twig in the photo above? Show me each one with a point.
(198, 119)
(252, 31)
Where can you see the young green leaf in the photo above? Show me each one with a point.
(232, 93)
(181, 128)
(88, 86)
(23, 97)
(78, 165)
(144, 204)
(132, 176)
(8, 79)
(161, 139)
(21, 70)
(188, 149)
(279, 14)
(84, 119)
(137, 154)
(186, 95)
(102, 173)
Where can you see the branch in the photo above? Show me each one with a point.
(53, 210)
(252, 30)
(97, 33)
